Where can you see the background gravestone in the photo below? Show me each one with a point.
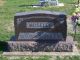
(53, 2)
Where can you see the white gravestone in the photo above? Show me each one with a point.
(53, 2)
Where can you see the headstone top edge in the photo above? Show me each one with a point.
(40, 11)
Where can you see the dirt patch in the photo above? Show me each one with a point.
(2, 2)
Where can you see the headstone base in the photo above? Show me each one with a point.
(22, 46)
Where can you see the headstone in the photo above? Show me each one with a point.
(39, 31)
(42, 2)
(53, 2)
(40, 26)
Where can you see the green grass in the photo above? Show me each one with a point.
(69, 1)
(25, 58)
(41, 58)
(68, 58)
(78, 40)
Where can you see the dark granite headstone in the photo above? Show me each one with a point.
(40, 26)
(38, 31)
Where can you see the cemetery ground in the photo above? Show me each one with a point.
(10, 7)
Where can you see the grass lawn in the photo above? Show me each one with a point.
(41, 58)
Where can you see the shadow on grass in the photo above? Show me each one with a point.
(3, 46)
